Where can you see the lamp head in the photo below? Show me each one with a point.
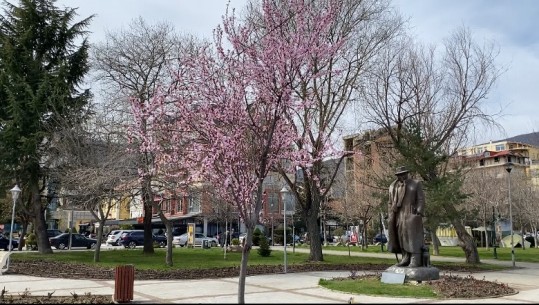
(284, 190)
(15, 191)
(509, 166)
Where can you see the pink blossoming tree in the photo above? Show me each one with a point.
(228, 117)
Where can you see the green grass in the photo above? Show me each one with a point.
(198, 258)
(530, 255)
(373, 286)
(189, 258)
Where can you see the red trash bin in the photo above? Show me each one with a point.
(124, 282)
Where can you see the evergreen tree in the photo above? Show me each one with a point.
(256, 237)
(264, 249)
(41, 69)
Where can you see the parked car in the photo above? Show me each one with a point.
(181, 240)
(4, 242)
(135, 238)
(53, 232)
(61, 241)
(242, 238)
(113, 238)
(380, 238)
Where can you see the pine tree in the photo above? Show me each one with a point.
(264, 249)
(41, 69)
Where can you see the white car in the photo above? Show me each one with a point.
(181, 240)
(242, 238)
(114, 237)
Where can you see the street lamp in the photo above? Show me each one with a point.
(272, 228)
(494, 228)
(508, 168)
(15, 191)
(284, 191)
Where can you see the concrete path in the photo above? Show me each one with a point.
(272, 288)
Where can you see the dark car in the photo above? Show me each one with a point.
(53, 232)
(4, 242)
(136, 238)
(77, 240)
(380, 238)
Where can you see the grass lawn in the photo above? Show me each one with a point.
(373, 286)
(198, 258)
(521, 255)
(190, 258)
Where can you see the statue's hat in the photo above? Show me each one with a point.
(401, 170)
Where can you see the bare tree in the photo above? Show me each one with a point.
(130, 64)
(524, 197)
(92, 170)
(429, 106)
(485, 191)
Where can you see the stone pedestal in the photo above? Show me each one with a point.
(418, 274)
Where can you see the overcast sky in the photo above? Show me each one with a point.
(513, 25)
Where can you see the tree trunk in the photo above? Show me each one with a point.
(21, 237)
(243, 265)
(311, 221)
(147, 198)
(523, 240)
(485, 226)
(168, 228)
(466, 243)
(99, 237)
(168, 259)
(40, 228)
(435, 243)
(534, 232)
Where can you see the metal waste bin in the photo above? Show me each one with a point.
(205, 244)
(124, 282)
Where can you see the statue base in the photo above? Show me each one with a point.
(418, 274)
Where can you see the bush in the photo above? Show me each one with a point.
(256, 237)
(338, 232)
(264, 249)
(235, 241)
(31, 241)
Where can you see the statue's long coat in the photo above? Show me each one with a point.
(405, 228)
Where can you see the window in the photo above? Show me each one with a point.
(194, 203)
(273, 202)
(482, 162)
(500, 147)
(349, 163)
(496, 159)
(509, 159)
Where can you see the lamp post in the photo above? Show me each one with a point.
(494, 245)
(284, 191)
(272, 228)
(508, 168)
(15, 191)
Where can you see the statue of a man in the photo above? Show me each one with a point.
(405, 218)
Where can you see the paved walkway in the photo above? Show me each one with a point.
(273, 288)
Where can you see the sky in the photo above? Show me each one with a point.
(512, 25)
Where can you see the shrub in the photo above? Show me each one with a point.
(235, 241)
(264, 249)
(256, 237)
(338, 232)
(31, 241)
